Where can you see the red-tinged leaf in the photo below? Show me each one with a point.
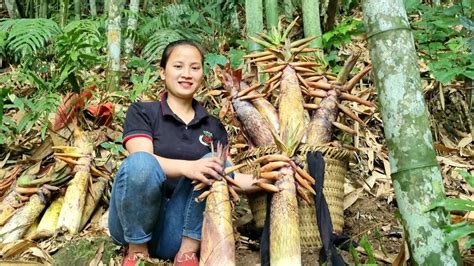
(102, 113)
(71, 103)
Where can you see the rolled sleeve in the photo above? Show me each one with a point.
(137, 123)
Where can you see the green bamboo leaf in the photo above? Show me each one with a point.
(467, 176)
(458, 232)
(364, 243)
(469, 243)
(453, 205)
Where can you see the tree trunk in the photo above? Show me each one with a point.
(415, 172)
(331, 15)
(131, 26)
(93, 8)
(12, 9)
(43, 13)
(63, 12)
(77, 9)
(288, 10)
(271, 14)
(254, 21)
(113, 44)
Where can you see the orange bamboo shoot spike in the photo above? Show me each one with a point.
(303, 194)
(345, 128)
(260, 54)
(273, 69)
(304, 69)
(268, 187)
(304, 64)
(273, 166)
(303, 173)
(199, 186)
(272, 158)
(273, 87)
(318, 93)
(263, 58)
(321, 85)
(232, 181)
(234, 195)
(301, 79)
(313, 78)
(311, 106)
(270, 175)
(349, 113)
(353, 81)
(275, 77)
(303, 183)
(68, 160)
(349, 97)
(247, 90)
(26, 190)
(233, 168)
(203, 196)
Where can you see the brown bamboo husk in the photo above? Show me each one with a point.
(75, 197)
(92, 200)
(217, 243)
(336, 160)
(17, 225)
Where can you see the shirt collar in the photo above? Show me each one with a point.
(200, 112)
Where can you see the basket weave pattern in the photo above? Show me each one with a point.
(336, 163)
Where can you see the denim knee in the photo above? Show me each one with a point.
(142, 165)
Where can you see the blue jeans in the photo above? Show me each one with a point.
(140, 212)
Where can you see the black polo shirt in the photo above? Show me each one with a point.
(171, 137)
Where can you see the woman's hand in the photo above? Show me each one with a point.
(204, 170)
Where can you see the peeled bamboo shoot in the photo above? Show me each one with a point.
(75, 197)
(47, 224)
(218, 245)
(22, 220)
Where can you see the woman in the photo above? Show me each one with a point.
(152, 208)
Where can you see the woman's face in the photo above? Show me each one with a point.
(183, 71)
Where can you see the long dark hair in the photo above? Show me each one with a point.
(172, 45)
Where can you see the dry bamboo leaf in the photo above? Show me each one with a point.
(386, 167)
(43, 255)
(4, 161)
(465, 141)
(352, 198)
(370, 181)
(370, 161)
(446, 161)
(15, 248)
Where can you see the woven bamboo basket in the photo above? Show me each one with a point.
(336, 163)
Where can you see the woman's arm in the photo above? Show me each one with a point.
(195, 170)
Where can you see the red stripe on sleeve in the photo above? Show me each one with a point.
(127, 138)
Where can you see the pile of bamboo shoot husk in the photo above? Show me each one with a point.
(56, 195)
(277, 112)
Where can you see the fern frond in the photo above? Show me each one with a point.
(27, 36)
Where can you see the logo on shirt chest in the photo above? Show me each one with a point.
(206, 138)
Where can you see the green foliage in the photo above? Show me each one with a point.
(342, 33)
(77, 49)
(141, 83)
(34, 114)
(115, 147)
(210, 23)
(463, 229)
(211, 60)
(442, 42)
(22, 38)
